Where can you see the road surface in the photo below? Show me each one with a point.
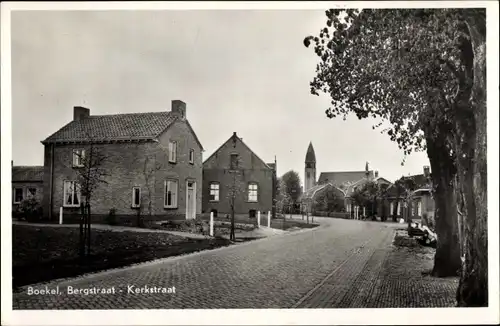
(336, 265)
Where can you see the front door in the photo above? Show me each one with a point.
(191, 200)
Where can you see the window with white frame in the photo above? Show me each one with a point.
(31, 193)
(136, 197)
(252, 192)
(18, 195)
(214, 191)
(191, 156)
(171, 189)
(78, 157)
(419, 208)
(172, 151)
(71, 194)
(399, 208)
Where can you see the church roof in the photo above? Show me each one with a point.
(310, 156)
(339, 178)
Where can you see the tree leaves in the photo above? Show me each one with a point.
(290, 185)
(397, 65)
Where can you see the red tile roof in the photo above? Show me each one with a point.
(116, 127)
(27, 173)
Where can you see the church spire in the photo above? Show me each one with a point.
(310, 169)
(310, 156)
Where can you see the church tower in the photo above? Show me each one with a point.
(310, 171)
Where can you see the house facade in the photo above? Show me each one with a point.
(235, 172)
(417, 201)
(27, 182)
(148, 164)
(380, 207)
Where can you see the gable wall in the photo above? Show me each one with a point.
(250, 169)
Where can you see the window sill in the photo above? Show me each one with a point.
(135, 207)
(213, 201)
(71, 206)
(169, 207)
(172, 162)
(78, 166)
(16, 203)
(252, 201)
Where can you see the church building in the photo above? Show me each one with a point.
(343, 183)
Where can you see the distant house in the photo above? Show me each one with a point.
(420, 204)
(27, 182)
(235, 169)
(153, 163)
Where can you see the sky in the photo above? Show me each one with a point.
(238, 71)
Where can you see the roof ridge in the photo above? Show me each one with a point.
(360, 171)
(131, 113)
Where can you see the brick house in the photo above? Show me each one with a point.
(420, 204)
(153, 165)
(27, 182)
(234, 163)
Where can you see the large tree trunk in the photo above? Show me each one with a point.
(473, 286)
(447, 260)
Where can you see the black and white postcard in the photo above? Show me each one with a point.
(249, 163)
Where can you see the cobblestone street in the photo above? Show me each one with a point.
(342, 264)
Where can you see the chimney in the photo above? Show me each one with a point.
(179, 107)
(376, 174)
(427, 171)
(80, 113)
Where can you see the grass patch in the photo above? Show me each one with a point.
(292, 224)
(44, 254)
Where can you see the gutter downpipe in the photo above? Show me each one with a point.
(51, 181)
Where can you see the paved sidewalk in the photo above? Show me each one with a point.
(343, 263)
